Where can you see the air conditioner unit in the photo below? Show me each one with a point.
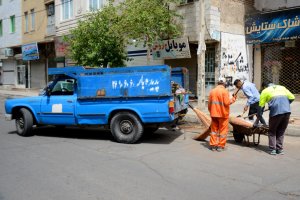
(9, 52)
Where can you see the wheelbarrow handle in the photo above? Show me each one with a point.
(255, 114)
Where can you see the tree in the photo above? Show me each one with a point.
(98, 41)
(149, 20)
(102, 36)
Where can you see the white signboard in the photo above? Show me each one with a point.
(171, 49)
(234, 62)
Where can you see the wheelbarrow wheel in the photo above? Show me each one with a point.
(238, 137)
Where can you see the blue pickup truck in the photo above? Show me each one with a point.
(127, 100)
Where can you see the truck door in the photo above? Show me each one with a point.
(57, 108)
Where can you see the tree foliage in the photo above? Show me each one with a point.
(97, 41)
(150, 20)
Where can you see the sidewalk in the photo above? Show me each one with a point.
(236, 109)
(19, 92)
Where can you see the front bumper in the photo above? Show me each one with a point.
(8, 117)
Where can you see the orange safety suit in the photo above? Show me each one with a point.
(218, 106)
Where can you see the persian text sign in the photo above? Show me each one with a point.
(30, 51)
(273, 27)
(171, 49)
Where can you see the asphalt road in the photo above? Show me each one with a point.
(80, 164)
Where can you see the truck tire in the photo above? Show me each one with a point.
(24, 122)
(238, 137)
(126, 127)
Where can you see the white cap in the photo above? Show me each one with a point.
(222, 79)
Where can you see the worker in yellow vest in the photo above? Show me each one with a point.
(278, 99)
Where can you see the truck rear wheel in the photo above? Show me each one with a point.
(24, 122)
(126, 128)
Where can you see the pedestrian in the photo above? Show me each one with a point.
(279, 99)
(218, 106)
(252, 104)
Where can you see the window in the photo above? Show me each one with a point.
(63, 87)
(67, 9)
(95, 4)
(26, 21)
(50, 9)
(32, 19)
(12, 24)
(1, 31)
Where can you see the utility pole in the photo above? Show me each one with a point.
(201, 57)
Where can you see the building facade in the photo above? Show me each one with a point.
(226, 53)
(38, 28)
(68, 14)
(273, 34)
(215, 28)
(10, 41)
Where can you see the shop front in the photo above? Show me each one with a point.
(275, 37)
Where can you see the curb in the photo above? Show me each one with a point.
(293, 130)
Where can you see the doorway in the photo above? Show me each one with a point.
(210, 60)
(21, 76)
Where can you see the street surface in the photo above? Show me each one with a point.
(72, 163)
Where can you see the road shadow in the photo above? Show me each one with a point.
(259, 148)
(205, 144)
(161, 136)
(230, 140)
(74, 133)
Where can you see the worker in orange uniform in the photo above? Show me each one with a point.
(218, 106)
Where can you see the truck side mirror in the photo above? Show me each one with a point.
(48, 91)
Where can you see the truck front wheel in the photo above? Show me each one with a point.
(24, 122)
(126, 128)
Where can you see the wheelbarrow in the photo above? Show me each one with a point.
(243, 130)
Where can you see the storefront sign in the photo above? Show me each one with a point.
(171, 49)
(30, 51)
(273, 27)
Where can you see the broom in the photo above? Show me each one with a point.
(206, 120)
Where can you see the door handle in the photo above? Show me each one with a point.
(69, 101)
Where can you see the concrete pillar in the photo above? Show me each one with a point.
(257, 65)
(201, 57)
